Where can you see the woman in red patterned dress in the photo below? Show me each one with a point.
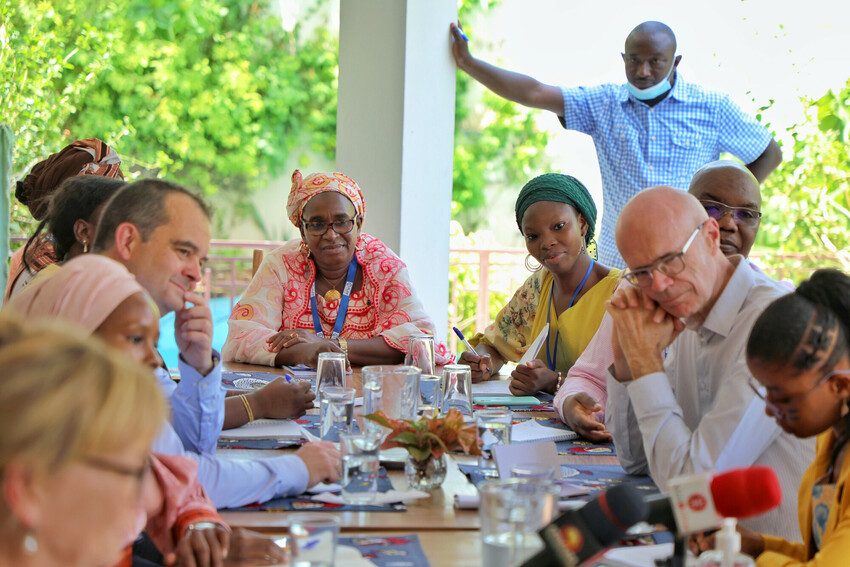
(336, 289)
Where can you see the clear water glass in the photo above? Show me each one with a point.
(420, 353)
(511, 512)
(360, 464)
(494, 428)
(430, 394)
(336, 412)
(391, 389)
(313, 538)
(457, 389)
(330, 371)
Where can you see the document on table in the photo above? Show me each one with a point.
(491, 387)
(531, 430)
(265, 429)
(535, 346)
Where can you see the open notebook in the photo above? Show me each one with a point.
(265, 429)
(531, 430)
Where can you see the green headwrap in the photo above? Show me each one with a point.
(560, 189)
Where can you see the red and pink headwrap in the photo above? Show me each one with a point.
(304, 189)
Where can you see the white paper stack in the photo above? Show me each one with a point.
(531, 430)
(265, 429)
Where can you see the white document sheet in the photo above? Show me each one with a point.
(531, 430)
(535, 346)
(491, 387)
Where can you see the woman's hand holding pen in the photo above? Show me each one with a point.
(480, 364)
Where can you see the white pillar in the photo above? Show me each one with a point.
(395, 131)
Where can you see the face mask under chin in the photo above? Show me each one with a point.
(656, 90)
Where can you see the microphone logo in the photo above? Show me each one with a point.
(572, 538)
(697, 502)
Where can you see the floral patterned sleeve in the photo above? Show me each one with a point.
(510, 333)
(257, 316)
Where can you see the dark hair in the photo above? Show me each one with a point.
(141, 203)
(797, 330)
(76, 198)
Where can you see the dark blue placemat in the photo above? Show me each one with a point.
(302, 503)
(595, 478)
(390, 551)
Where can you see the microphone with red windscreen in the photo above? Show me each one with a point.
(696, 503)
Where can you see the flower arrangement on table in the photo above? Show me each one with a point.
(427, 440)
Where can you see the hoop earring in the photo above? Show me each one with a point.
(529, 266)
(30, 544)
(305, 249)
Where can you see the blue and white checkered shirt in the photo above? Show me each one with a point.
(639, 146)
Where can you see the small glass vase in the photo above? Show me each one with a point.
(425, 475)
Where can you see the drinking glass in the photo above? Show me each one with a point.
(360, 463)
(457, 389)
(391, 389)
(511, 512)
(420, 353)
(330, 371)
(336, 412)
(313, 538)
(494, 428)
(430, 394)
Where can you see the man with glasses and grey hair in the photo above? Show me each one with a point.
(678, 395)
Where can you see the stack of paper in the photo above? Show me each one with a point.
(531, 430)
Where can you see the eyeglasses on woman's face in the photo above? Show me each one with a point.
(781, 407)
(319, 228)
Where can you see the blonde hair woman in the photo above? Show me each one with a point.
(74, 453)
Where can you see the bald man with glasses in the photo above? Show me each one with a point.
(679, 400)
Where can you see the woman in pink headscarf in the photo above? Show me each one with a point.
(336, 289)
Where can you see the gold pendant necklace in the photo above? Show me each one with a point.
(332, 294)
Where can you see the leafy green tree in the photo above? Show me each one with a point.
(48, 55)
(496, 141)
(807, 199)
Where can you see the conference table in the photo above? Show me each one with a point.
(449, 536)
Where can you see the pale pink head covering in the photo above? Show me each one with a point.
(304, 189)
(84, 291)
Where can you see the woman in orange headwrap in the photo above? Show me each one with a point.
(334, 289)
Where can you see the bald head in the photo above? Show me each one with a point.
(656, 218)
(731, 194)
(658, 33)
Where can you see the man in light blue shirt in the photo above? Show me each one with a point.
(161, 233)
(656, 129)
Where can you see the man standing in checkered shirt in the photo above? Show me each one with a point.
(656, 129)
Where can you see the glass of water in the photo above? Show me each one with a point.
(511, 512)
(391, 389)
(330, 371)
(494, 428)
(336, 412)
(457, 389)
(430, 394)
(360, 463)
(420, 353)
(313, 538)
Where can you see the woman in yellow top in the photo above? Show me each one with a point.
(799, 351)
(556, 216)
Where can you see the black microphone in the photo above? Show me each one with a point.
(577, 535)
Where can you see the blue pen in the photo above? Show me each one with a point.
(463, 35)
(288, 378)
(461, 337)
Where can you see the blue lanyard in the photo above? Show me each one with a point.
(343, 303)
(553, 358)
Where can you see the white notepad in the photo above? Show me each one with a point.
(489, 387)
(531, 430)
(265, 429)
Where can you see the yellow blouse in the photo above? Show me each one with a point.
(521, 320)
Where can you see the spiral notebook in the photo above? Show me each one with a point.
(265, 429)
(531, 430)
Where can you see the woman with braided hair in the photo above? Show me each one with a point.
(799, 352)
(567, 291)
